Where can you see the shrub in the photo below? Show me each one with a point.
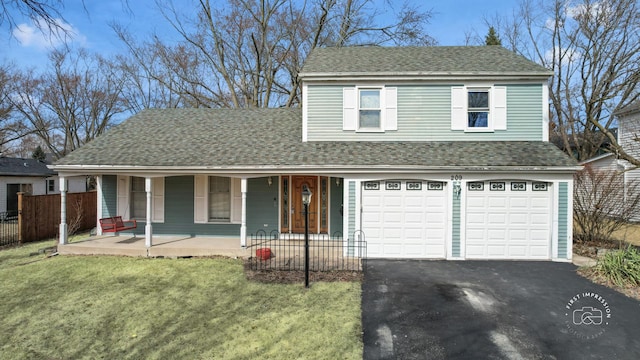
(622, 267)
(602, 203)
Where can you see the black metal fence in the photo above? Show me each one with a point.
(277, 251)
(8, 228)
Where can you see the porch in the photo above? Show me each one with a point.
(163, 246)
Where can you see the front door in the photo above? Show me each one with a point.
(297, 208)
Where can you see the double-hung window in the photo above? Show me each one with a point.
(138, 198)
(478, 108)
(219, 199)
(369, 110)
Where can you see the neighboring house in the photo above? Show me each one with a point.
(431, 152)
(31, 177)
(629, 140)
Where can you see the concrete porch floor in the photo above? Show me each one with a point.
(163, 246)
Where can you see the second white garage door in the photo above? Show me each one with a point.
(508, 220)
(404, 219)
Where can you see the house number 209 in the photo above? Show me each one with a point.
(456, 177)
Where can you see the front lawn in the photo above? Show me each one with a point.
(68, 307)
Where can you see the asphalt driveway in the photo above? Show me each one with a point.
(415, 309)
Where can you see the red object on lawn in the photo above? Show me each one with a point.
(263, 253)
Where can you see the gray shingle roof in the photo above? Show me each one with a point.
(23, 167)
(443, 60)
(632, 108)
(271, 138)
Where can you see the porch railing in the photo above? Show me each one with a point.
(278, 251)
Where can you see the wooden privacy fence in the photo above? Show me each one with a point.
(39, 215)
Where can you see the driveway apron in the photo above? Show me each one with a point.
(414, 309)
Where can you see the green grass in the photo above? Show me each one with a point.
(68, 307)
(622, 267)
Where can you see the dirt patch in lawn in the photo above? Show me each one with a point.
(590, 248)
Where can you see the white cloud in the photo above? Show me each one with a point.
(43, 37)
(563, 56)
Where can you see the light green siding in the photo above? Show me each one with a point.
(455, 227)
(424, 114)
(178, 209)
(335, 206)
(109, 195)
(262, 205)
(563, 219)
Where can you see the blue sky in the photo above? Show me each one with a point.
(90, 24)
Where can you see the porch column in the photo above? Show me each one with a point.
(147, 227)
(99, 195)
(63, 211)
(243, 226)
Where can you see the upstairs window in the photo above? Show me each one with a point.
(478, 108)
(369, 109)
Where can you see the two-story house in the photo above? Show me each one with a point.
(430, 152)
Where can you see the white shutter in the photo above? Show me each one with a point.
(499, 108)
(236, 202)
(391, 108)
(124, 192)
(349, 109)
(157, 200)
(458, 108)
(200, 199)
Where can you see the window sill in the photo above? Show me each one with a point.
(369, 131)
(479, 130)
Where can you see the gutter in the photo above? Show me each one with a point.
(303, 169)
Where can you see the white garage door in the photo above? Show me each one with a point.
(508, 220)
(404, 219)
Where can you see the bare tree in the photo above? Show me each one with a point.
(72, 103)
(593, 48)
(43, 13)
(247, 53)
(603, 203)
(11, 128)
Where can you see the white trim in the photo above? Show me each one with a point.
(157, 202)
(349, 109)
(63, 230)
(100, 196)
(305, 109)
(424, 76)
(261, 171)
(123, 189)
(243, 222)
(545, 111)
(554, 219)
(200, 190)
(148, 187)
(463, 218)
(498, 107)
(449, 232)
